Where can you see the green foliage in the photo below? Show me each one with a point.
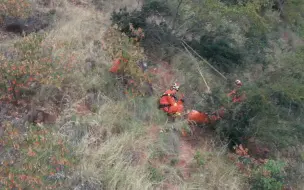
(200, 161)
(158, 37)
(174, 161)
(212, 22)
(123, 18)
(273, 109)
(155, 174)
(270, 176)
(138, 18)
(221, 50)
(292, 12)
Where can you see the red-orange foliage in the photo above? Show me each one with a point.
(244, 161)
(35, 64)
(15, 8)
(38, 157)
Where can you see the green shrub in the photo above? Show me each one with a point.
(216, 42)
(200, 161)
(222, 51)
(155, 174)
(269, 177)
(273, 109)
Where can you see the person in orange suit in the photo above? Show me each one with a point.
(235, 94)
(198, 117)
(169, 102)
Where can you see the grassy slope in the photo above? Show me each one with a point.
(119, 146)
(114, 144)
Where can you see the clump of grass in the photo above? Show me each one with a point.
(217, 172)
(113, 160)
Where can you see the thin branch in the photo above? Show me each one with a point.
(198, 68)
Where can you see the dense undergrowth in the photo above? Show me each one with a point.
(106, 136)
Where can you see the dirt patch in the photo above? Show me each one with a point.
(163, 76)
(186, 156)
(82, 109)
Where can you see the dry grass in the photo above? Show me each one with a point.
(218, 174)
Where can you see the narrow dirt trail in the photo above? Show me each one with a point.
(190, 144)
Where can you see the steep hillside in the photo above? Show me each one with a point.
(67, 122)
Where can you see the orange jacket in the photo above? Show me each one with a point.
(178, 108)
(169, 102)
(198, 117)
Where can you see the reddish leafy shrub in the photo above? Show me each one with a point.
(37, 160)
(262, 173)
(127, 57)
(15, 8)
(36, 63)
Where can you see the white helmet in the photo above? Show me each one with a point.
(175, 86)
(238, 82)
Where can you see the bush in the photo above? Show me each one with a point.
(226, 48)
(270, 176)
(35, 159)
(121, 48)
(262, 173)
(273, 109)
(34, 63)
(14, 8)
(222, 51)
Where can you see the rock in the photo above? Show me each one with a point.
(89, 100)
(32, 115)
(49, 118)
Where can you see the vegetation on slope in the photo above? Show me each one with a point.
(66, 122)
